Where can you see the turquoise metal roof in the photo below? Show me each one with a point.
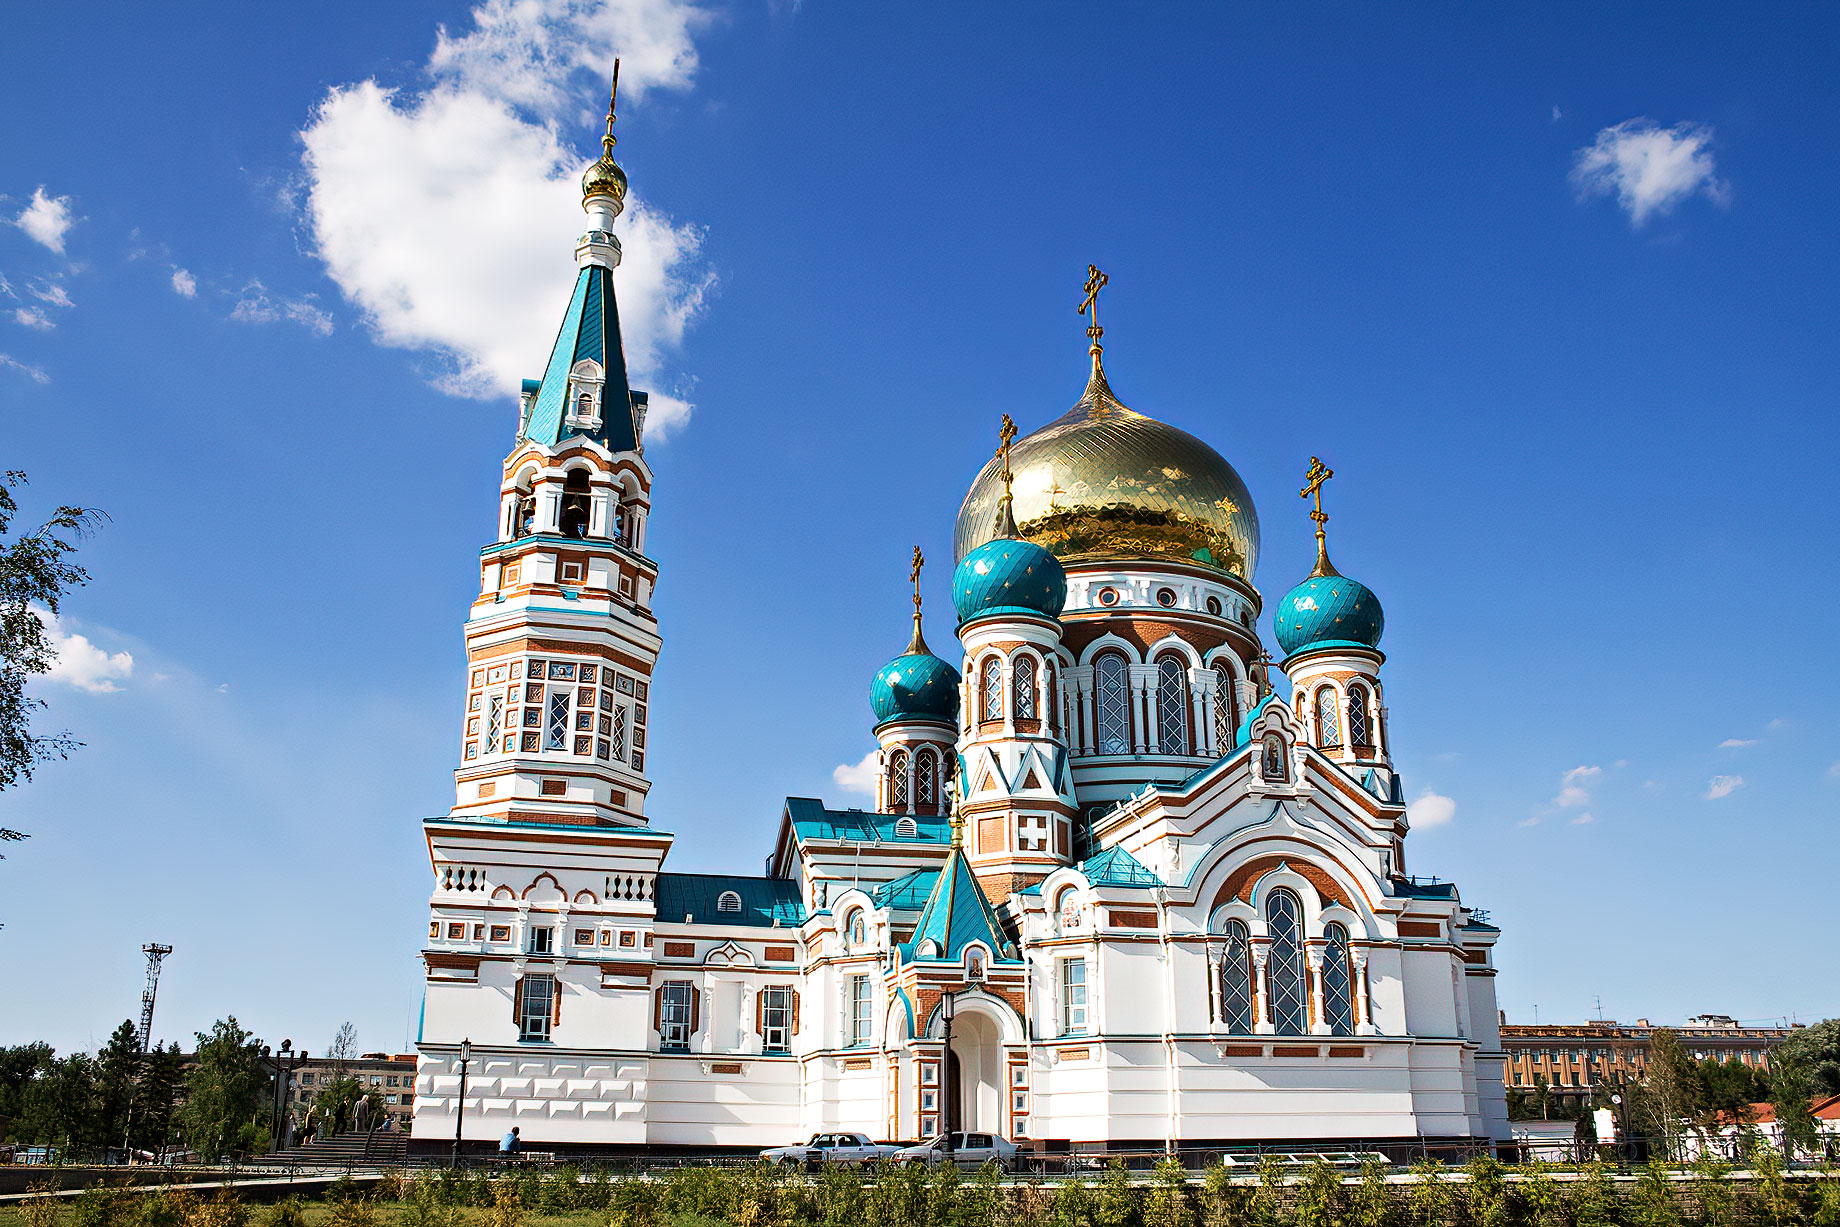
(957, 914)
(1424, 890)
(590, 330)
(1244, 732)
(1116, 867)
(811, 820)
(764, 901)
(907, 894)
(915, 684)
(1325, 609)
(1007, 574)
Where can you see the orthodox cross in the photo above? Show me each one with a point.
(1006, 433)
(914, 575)
(613, 98)
(1089, 306)
(1313, 483)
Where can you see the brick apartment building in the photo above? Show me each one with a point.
(391, 1076)
(1575, 1058)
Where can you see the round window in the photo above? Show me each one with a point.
(1213, 605)
(1108, 596)
(1166, 597)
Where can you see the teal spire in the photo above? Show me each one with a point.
(957, 914)
(590, 332)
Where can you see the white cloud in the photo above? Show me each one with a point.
(33, 317)
(1737, 743)
(256, 306)
(47, 219)
(52, 292)
(1584, 819)
(1557, 114)
(1529, 822)
(34, 373)
(859, 777)
(1430, 809)
(184, 284)
(447, 216)
(1573, 787)
(1723, 786)
(1648, 168)
(1834, 771)
(81, 663)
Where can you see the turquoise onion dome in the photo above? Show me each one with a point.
(1328, 609)
(1008, 575)
(915, 685)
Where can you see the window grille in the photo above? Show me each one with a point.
(1112, 703)
(897, 779)
(906, 828)
(1289, 991)
(1073, 996)
(1024, 687)
(535, 1008)
(993, 689)
(926, 778)
(776, 1018)
(1358, 731)
(619, 733)
(728, 901)
(1171, 707)
(1328, 722)
(495, 713)
(558, 720)
(674, 1015)
(1226, 715)
(861, 1011)
(1337, 982)
(1236, 980)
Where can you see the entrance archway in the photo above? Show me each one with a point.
(974, 1070)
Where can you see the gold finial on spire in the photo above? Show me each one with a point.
(958, 829)
(604, 177)
(1096, 387)
(917, 646)
(1313, 483)
(1006, 516)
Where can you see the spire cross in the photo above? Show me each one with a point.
(1312, 487)
(1005, 434)
(613, 98)
(1006, 516)
(1089, 306)
(917, 646)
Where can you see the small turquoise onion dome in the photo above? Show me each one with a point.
(1007, 574)
(915, 685)
(1328, 608)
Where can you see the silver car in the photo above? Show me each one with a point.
(965, 1149)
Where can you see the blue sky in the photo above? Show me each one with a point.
(1552, 288)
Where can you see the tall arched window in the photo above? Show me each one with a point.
(1111, 704)
(897, 780)
(926, 778)
(1236, 980)
(1226, 708)
(1360, 733)
(1328, 722)
(1171, 706)
(1271, 757)
(993, 689)
(584, 405)
(575, 504)
(1284, 967)
(1024, 686)
(1337, 982)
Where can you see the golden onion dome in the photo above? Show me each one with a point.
(1103, 482)
(604, 178)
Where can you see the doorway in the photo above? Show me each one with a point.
(974, 1074)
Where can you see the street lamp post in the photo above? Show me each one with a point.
(946, 1005)
(466, 1057)
(286, 1062)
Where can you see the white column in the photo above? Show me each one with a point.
(1313, 958)
(1008, 674)
(598, 507)
(549, 509)
(1261, 987)
(1364, 1024)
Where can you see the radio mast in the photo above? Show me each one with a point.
(154, 952)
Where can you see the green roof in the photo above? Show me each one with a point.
(956, 915)
(907, 893)
(764, 901)
(590, 331)
(811, 820)
(1116, 867)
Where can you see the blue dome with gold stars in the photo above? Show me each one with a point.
(1326, 610)
(915, 685)
(1008, 575)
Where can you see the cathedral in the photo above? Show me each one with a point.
(1128, 880)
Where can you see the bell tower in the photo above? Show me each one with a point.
(561, 641)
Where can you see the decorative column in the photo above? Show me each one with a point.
(1313, 958)
(1214, 1004)
(1363, 997)
(1261, 987)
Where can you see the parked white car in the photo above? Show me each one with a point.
(849, 1149)
(964, 1149)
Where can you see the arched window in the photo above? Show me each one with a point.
(1337, 982)
(619, 524)
(926, 778)
(1284, 967)
(1024, 686)
(993, 689)
(575, 499)
(1328, 723)
(728, 901)
(584, 405)
(1171, 706)
(524, 519)
(1236, 980)
(1226, 708)
(1359, 732)
(1271, 757)
(897, 780)
(1112, 704)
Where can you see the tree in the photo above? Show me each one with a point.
(35, 570)
(19, 1066)
(225, 1092)
(1792, 1083)
(59, 1106)
(344, 1046)
(118, 1068)
(162, 1074)
(1671, 1085)
(1817, 1050)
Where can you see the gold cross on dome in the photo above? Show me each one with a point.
(1089, 306)
(1006, 434)
(1313, 484)
(613, 98)
(914, 575)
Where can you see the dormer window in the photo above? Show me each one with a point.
(585, 381)
(728, 901)
(906, 828)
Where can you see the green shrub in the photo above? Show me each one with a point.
(1542, 1200)
(1030, 1205)
(102, 1205)
(426, 1205)
(897, 1198)
(507, 1206)
(1488, 1197)
(597, 1190)
(1319, 1198)
(1594, 1199)
(942, 1194)
(1826, 1209)
(225, 1209)
(1777, 1200)
(1432, 1202)
(165, 1208)
(342, 1189)
(352, 1212)
(1072, 1205)
(1167, 1202)
(980, 1203)
(1371, 1204)
(1116, 1202)
(288, 1212)
(1651, 1202)
(638, 1202)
